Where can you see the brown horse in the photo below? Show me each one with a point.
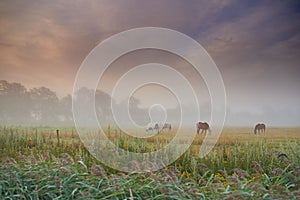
(259, 128)
(204, 127)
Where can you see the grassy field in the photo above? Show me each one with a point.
(36, 165)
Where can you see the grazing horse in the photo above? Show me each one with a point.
(158, 128)
(259, 128)
(204, 127)
(149, 129)
(153, 128)
(167, 126)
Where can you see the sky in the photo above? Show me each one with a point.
(255, 45)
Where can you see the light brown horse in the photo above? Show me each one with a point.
(204, 127)
(259, 128)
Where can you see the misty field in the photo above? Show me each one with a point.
(37, 164)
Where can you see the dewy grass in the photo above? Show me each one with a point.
(241, 166)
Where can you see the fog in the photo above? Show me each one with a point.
(41, 107)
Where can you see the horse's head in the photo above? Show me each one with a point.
(198, 127)
(256, 128)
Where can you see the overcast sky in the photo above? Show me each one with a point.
(255, 44)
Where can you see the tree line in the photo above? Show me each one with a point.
(41, 106)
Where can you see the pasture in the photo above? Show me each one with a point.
(36, 164)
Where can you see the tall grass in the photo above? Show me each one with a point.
(34, 166)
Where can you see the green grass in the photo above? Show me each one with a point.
(241, 166)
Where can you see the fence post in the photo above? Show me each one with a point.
(57, 136)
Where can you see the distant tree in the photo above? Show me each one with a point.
(45, 105)
(83, 100)
(139, 115)
(65, 110)
(14, 103)
(103, 103)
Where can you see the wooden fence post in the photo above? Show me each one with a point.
(57, 136)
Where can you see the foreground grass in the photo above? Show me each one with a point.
(33, 166)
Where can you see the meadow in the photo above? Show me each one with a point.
(36, 163)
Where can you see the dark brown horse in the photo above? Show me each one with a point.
(204, 127)
(259, 128)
